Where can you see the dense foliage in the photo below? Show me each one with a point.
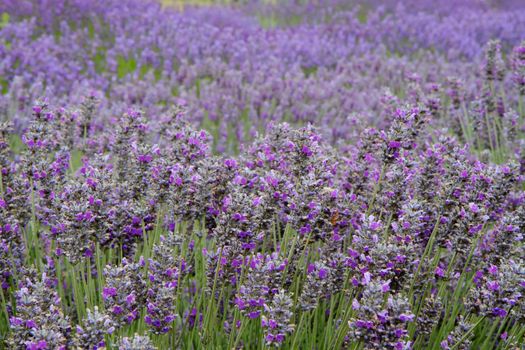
(307, 176)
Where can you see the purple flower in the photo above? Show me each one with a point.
(130, 299)
(406, 317)
(439, 272)
(117, 310)
(109, 292)
(499, 312)
(367, 277)
(40, 345)
(493, 270)
(254, 314)
(493, 285)
(474, 208)
(306, 151)
(385, 287)
(230, 163)
(394, 144)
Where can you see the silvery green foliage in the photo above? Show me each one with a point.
(90, 334)
(380, 319)
(276, 319)
(138, 342)
(124, 293)
(38, 318)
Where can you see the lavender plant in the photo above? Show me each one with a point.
(350, 178)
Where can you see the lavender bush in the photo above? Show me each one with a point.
(317, 175)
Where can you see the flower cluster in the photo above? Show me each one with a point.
(90, 335)
(499, 290)
(39, 322)
(166, 272)
(380, 320)
(264, 276)
(277, 317)
(136, 343)
(124, 292)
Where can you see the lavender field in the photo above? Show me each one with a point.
(336, 174)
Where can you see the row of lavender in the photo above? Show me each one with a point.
(137, 236)
(396, 243)
(337, 72)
